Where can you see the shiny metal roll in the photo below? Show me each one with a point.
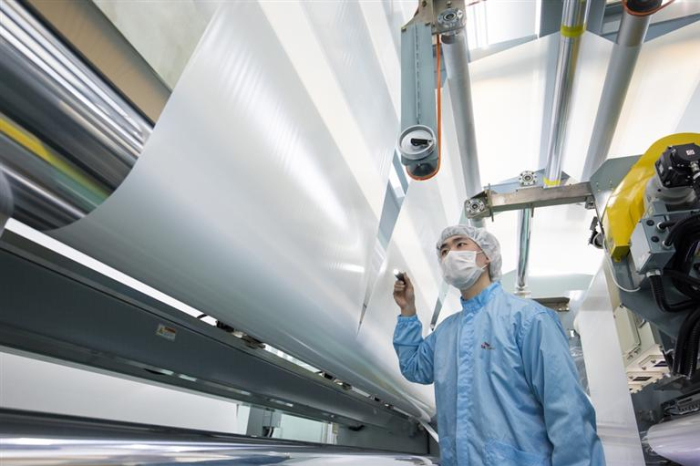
(67, 139)
(572, 28)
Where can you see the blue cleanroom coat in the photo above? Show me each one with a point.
(506, 388)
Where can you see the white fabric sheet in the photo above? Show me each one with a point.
(243, 206)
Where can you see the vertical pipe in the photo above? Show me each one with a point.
(456, 52)
(573, 25)
(572, 28)
(617, 80)
(524, 231)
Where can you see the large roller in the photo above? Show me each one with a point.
(67, 139)
(677, 440)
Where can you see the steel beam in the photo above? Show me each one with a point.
(60, 309)
(596, 15)
(489, 203)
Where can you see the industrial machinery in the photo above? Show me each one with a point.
(650, 231)
(69, 137)
(650, 212)
(434, 39)
(651, 227)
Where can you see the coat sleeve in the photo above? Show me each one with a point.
(552, 376)
(415, 353)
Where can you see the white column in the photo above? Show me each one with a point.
(617, 426)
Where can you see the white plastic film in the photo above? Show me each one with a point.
(429, 206)
(347, 44)
(617, 426)
(328, 89)
(677, 440)
(243, 206)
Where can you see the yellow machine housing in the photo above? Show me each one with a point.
(626, 204)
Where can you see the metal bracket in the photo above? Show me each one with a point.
(489, 202)
(429, 429)
(560, 304)
(115, 328)
(436, 14)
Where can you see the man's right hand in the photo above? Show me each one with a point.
(405, 296)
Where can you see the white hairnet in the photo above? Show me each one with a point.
(486, 241)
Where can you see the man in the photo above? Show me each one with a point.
(506, 389)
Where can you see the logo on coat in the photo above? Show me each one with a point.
(486, 345)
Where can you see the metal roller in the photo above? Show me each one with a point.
(456, 52)
(67, 139)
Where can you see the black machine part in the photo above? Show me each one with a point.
(685, 237)
(679, 166)
(677, 177)
(643, 6)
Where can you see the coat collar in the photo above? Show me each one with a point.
(480, 300)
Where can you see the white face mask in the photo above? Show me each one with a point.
(460, 270)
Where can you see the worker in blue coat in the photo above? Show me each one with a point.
(506, 388)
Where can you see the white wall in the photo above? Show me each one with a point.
(303, 430)
(164, 33)
(40, 385)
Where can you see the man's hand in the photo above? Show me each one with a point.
(405, 296)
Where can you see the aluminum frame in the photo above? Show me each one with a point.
(86, 318)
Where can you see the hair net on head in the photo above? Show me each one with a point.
(486, 241)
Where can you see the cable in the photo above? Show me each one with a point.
(612, 275)
(686, 345)
(621, 287)
(657, 289)
(685, 237)
(683, 277)
(693, 347)
(679, 227)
